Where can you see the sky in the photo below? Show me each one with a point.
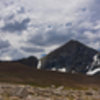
(37, 27)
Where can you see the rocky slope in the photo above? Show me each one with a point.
(72, 57)
(26, 92)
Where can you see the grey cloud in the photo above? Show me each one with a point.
(8, 3)
(84, 9)
(32, 50)
(16, 54)
(52, 37)
(22, 10)
(3, 51)
(10, 17)
(56, 37)
(16, 26)
(94, 11)
(11, 52)
(69, 24)
(4, 44)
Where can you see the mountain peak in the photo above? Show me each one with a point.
(73, 56)
(74, 42)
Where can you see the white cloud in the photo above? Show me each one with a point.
(52, 23)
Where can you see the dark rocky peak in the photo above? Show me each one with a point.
(72, 56)
(73, 44)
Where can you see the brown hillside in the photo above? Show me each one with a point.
(19, 73)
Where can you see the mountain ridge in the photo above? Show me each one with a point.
(73, 56)
(30, 61)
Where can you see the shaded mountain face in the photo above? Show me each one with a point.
(30, 61)
(71, 57)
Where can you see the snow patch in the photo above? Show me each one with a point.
(53, 69)
(62, 69)
(93, 72)
(95, 57)
(96, 62)
(39, 65)
(59, 70)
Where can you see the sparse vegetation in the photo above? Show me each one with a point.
(27, 92)
(43, 85)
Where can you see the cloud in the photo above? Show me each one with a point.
(11, 54)
(43, 26)
(51, 37)
(4, 44)
(32, 50)
(16, 26)
(95, 9)
(21, 10)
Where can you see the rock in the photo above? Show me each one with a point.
(24, 92)
(14, 98)
(1, 98)
(71, 57)
(89, 93)
(21, 92)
